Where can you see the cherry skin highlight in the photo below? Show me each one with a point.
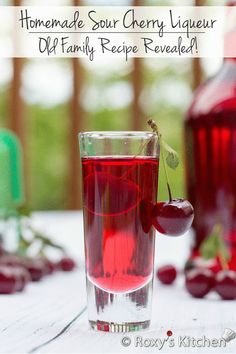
(173, 218)
(8, 280)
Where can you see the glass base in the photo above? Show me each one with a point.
(119, 312)
(119, 327)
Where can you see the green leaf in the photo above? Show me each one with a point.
(209, 247)
(172, 158)
(214, 245)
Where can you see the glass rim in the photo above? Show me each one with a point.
(117, 134)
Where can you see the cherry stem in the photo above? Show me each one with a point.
(221, 255)
(155, 130)
(165, 169)
(223, 261)
(154, 127)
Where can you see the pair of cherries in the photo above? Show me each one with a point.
(172, 218)
(17, 271)
(200, 281)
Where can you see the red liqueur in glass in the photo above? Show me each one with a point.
(119, 244)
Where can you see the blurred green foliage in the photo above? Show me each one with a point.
(48, 132)
(47, 152)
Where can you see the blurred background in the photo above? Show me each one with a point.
(46, 102)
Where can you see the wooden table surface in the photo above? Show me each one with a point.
(51, 316)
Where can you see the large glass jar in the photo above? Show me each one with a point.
(210, 134)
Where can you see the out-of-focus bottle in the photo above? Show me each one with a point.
(210, 135)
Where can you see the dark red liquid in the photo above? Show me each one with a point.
(210, 132)
(118, 244)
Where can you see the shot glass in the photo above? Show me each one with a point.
(120, 178)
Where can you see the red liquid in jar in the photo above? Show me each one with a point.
(119, 246)
(210, 132)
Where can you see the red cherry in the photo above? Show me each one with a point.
(225, 284)
(12, 260)
(167, 274)
(23, 277)
(66, 264)
(231, 3)
(48, 266)
(35, 268)
(18, 266)
(173, 218)
(199, 282)
(146, 209)
(1, 246)
(8, 280)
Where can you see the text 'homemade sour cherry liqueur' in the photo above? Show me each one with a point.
(130, 20)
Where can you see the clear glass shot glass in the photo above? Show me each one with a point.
(120, 178)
